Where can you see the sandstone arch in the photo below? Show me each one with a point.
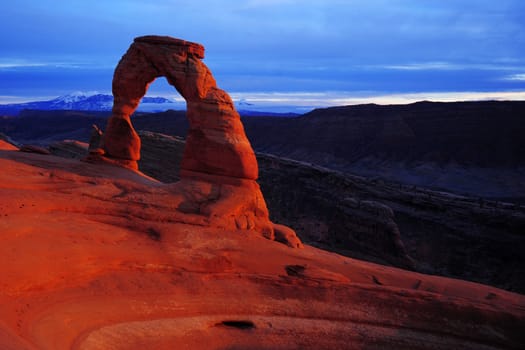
(218, 168)
(216, 143)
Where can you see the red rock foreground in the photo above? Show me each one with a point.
(95, 257)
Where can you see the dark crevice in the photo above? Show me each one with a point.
(295, 270)
(376, 280)
(239, 324)
(154, 234)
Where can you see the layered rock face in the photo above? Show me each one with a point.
(218, 168)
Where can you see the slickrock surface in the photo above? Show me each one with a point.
(94, 256)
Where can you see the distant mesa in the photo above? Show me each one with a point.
(218, 161)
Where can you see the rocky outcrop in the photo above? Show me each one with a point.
(218, 167)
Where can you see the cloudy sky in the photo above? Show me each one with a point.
(276, 51)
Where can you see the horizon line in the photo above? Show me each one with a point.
(315, 99)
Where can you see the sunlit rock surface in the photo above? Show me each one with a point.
(94, 256)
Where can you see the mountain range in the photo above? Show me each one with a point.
(81, 101)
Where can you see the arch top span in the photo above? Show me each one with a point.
(188, 46)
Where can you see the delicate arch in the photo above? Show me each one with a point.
(216, 143)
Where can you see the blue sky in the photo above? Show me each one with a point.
(321, 52)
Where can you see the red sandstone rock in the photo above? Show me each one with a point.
(216, 142)
(96, 257)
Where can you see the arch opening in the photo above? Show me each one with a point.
(161, 96)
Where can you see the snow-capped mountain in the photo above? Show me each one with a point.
(97, 102)
(81, 101)
(90, 102)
